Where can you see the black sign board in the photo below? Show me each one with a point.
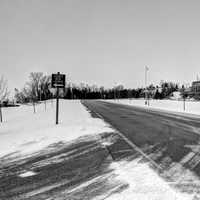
(58, 80)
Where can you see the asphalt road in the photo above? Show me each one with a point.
(168, 142)
(168, 139)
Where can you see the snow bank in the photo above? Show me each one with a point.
(26, 132)
(191, 107)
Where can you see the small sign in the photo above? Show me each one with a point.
(58, 80)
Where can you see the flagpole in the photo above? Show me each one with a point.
(145, 74)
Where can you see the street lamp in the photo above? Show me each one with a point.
(114, 90)
(146, 91)
(183, 90)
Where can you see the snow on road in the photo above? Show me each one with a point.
(144, 184)
(191, 107)
(24, 132)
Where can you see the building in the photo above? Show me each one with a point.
(195, 89)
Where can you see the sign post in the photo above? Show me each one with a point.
(57, 104)
(1, 118)
(58, 81)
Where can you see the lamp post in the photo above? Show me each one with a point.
(114, 91)
(183, 89)
(145, 77)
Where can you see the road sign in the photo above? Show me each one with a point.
(58, 80)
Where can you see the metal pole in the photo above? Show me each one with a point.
(1, 118)
(183, 98)
(145, 74)
(57, 105)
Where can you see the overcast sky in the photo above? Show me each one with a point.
(100, 41)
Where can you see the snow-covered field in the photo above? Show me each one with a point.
(191, 107)
(23, 132)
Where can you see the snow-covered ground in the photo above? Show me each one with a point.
(192, 107)
(24, 132)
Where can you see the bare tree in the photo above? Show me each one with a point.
(35, 84)
(45, 84)
(21, 96)
(32, 92)
(3, 89)
(33, 87)
(3, 93)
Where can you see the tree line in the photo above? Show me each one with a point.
(38, 88)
